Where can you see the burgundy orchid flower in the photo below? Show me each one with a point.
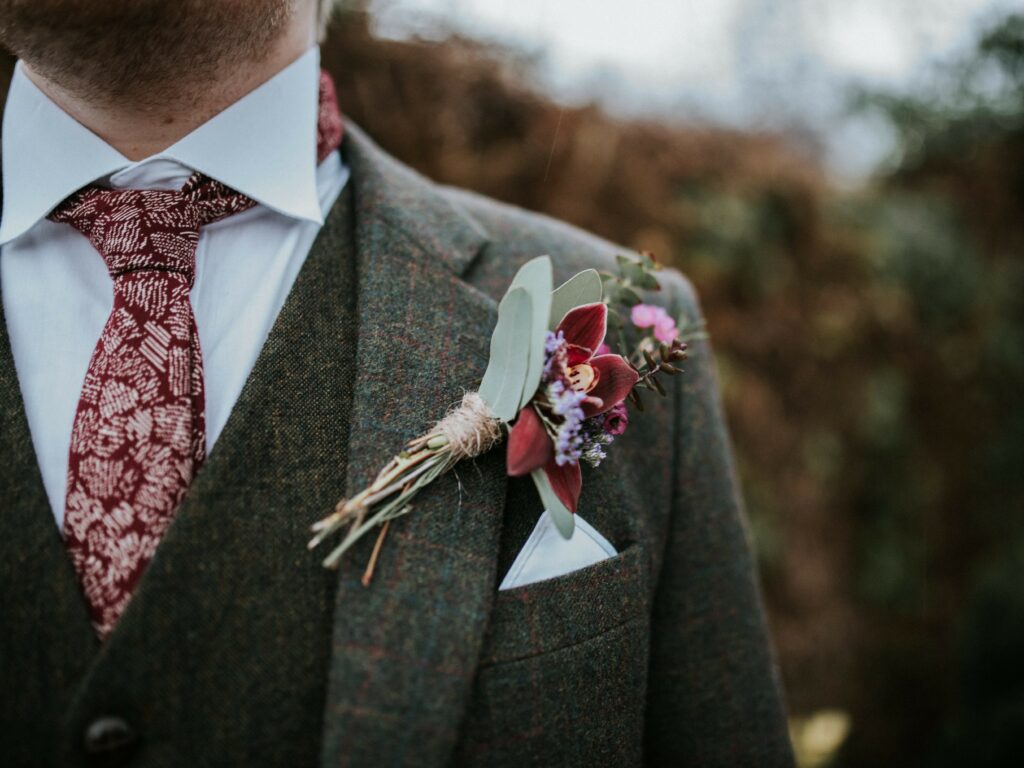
(592, 384)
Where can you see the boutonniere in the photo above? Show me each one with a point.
(553, 387)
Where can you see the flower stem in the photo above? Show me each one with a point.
(370, 566)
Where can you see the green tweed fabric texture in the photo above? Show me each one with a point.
(239, 649)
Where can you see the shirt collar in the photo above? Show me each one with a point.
(263, 145)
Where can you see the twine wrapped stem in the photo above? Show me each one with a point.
(467, 431)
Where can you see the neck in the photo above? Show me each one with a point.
(140, 130)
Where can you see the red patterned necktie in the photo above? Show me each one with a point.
(139, 434)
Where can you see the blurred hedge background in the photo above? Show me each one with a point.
(871, 349)
(870, 341)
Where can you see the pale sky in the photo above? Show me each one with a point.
(749, 63)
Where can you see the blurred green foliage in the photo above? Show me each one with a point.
(870, 346)
(950, 222)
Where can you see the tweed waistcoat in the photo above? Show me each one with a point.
(222, 653)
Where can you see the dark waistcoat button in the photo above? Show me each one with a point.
(109, 737)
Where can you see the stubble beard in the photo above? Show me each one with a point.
(141, 52)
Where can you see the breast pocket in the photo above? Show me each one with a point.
(563, 673)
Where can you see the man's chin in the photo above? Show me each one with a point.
(120, 46)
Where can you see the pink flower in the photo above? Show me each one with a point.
(651, 316)
(616, 419)
(645, 315)
(665, 330)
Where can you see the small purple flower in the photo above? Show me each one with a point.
(554, 352)
(595, 440)
(567, 403)
(594, 454)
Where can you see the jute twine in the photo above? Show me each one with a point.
(471, 428)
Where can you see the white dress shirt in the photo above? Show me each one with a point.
(57, 292)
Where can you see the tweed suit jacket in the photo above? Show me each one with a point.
(239, 649)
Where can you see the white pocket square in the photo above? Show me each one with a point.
(546, 554)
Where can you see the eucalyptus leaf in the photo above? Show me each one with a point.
(582, 288)
(535, 277)
(503, 381)
(634, 272)
(651, 282)
(620, 294)
(564, 520)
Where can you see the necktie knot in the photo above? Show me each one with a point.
(148, 229)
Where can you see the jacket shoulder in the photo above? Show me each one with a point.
(516, 235)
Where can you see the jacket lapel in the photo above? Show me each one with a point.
(405, 648)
